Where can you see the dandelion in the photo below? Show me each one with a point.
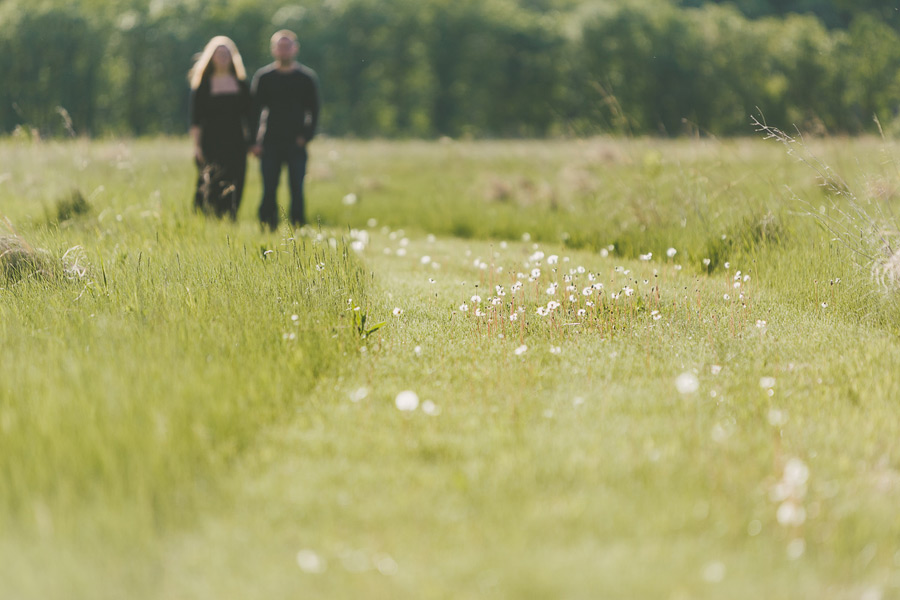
(726, 297)
(604, 252)
(295, 318)
(463, 307)
(401, 252)
(521, 350)
(349, 199)
(687, 383)
(407, 401)
(425, 259)
(542, 311)
(551, 290)
(760, 324)
(397, 311)
(430, 408)
(555, 350)
(514, 317)
(628, 291)
(766, 383)
(727, 265)
(736, 285)
(552, 305)
(535, 273)
(706, 262)
(824, 305)
(310, 562)
(671, 252)
(479, 312)
(552, 259)
(777, 417)
(476, 299)
(320, 266)
(496, 301)
(656, 316)
(714, 572)
(646, 257)
(746, 278)
(581, 312)
(359, 394)
(431, 280)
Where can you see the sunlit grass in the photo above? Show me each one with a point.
(172, 429)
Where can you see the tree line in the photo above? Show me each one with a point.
(425, 68)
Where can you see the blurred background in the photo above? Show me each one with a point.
(467, 68)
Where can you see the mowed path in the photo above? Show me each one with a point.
(575, 469)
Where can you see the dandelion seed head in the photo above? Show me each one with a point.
(767, 382)
(714, 572)
(407, 401)
(359, 394)
(687, 383)
(310, 562)
(521, 350)
(671, 252)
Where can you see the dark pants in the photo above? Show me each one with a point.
(274, 156)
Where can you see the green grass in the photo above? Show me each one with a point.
(163, 439)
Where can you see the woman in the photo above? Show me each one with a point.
(220, 125)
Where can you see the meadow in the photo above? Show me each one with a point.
(606, 368)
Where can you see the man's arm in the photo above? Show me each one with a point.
(311, 118)
(257, 93)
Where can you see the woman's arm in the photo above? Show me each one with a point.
(196, 131)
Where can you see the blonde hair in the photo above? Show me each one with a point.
(203, 67)
(283, 33)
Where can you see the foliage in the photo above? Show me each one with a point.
(510, 68)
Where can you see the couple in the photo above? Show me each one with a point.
(275, 118)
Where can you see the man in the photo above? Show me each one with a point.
(286, 110)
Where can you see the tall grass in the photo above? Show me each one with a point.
(170, 429)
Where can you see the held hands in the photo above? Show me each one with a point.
(198, 155)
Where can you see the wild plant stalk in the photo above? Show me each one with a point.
(872, 238)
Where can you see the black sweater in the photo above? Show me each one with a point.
(291, 101)
(224, 119)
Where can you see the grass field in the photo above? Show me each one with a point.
(643, 369)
